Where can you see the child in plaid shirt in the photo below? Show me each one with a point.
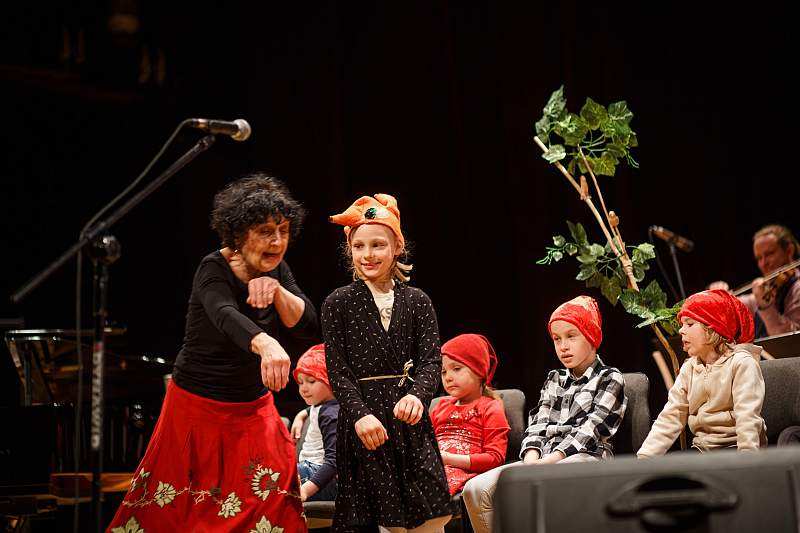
(580, 407)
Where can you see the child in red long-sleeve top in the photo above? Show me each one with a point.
(470, 424)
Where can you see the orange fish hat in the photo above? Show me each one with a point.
(380, 209)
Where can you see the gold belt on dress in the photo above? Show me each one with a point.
(403, 377)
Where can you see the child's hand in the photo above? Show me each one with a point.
(531, 457)
(409, 409)
(297, 424)
(371, 432)
(261, 291)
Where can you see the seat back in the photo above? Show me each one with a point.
(781, 395)
(636, 422)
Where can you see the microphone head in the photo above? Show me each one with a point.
(244, 130)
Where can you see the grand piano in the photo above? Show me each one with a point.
(39, 437)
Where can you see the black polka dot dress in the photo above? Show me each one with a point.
(402, 483)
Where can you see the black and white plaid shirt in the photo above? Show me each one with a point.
(577, 415)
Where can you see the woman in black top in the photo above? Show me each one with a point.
(220, 458)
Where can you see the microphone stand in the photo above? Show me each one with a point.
(674, 255)
(105, 250)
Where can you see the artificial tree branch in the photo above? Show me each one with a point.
(619, 250)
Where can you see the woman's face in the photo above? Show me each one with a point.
(265, 245)
(373, 250)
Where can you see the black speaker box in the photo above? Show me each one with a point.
(726, 491)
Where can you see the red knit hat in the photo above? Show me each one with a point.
(583, 313)
(474, 351)
(312, 363)
(380, 209)
(722, 312)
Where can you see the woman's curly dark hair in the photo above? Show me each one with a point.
(250, 201)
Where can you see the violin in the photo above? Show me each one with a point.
(772, 282)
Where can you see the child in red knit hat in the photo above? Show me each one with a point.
(317, 461)
(580, 408)
(719, 390)
(470, 424)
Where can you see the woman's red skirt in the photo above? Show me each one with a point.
(213, 467)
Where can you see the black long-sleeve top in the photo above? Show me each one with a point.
(215, 360)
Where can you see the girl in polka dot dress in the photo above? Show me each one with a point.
(384, 361)
(470, 424)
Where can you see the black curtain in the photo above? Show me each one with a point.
(433, 102)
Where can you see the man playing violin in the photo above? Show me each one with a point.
(775, 302)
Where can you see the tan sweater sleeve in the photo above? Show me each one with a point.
(672, 418)
(748, 398)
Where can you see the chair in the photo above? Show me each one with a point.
(782, 395)
(636, 422)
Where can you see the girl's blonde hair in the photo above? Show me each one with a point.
(489, 392)
(720, 343)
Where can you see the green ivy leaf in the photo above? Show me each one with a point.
(556, 104)
(654, 297)
(543, 128)
(606, 165)
(572, 129)
(610, 289)
(617, 150)
(571, 248)
(633, 140)
(619, 112)
(556, 152)
(596, 250)
(557, 256)
(638, 273)
(593, 114)
(596, 280)
(645, 251)
(559, 240)
(578, 233)
(586, 272)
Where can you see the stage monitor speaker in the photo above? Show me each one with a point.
(726, 491)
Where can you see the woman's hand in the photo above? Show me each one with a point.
(297, 424)
(275, 362)
(261, 291)
(371, 432)
(409, 409)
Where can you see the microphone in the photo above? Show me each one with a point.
(238, 130)
(673, 238)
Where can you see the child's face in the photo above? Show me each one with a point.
(694, 337)
(313, 391)
(459, 380)
(373, 248)
(572, 348)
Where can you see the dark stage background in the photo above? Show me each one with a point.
(433, 102)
